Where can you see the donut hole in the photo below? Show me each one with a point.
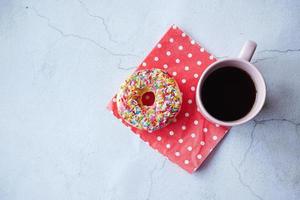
(148, 98)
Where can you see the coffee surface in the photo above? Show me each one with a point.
(228, 93)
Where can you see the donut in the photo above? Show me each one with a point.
(166, 105)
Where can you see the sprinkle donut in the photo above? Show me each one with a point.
(166, 105)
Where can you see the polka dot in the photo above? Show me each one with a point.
(202, 49)
(202, 143)
(190, 55)
(189, 148)
(193, 135)
(168, 53)
(205, 130)
(214, 137)
(171, 40)
(193, 88)
(186, 114)
(198, 109)
(186, 68)
(196, 75)
(177, 60)
(183, 127)
(199, 156)
(158, 45)
(180, 47)
(211, 57)
(168, 146)
(180, 140)
(183, 34)
(156, 58)
(199, 62)
(144, 64)
(171, 133)
(165, 66)
(196, 122)
(192, 42)
(158, 138)
(190, 101)
(174, 73)
(174, 26)
(183, 80)
(186, 162)
(149, 131)
(217, 125)
(177, 153)
(114, 100)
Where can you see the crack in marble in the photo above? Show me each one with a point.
(279, 51)
(92, 41)
(262, 121)
(151, 178)
(250, 189)
(163, 164)
(250, 145)
(257, 60)
(277, 119)
(151, 183)
(63, 34)
(295, 123)
(84, 156)
(125, 68)
(88, 11)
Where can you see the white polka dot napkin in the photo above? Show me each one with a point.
(190, 139)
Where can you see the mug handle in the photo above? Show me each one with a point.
(248, 50)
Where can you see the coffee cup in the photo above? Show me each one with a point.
(231, 91)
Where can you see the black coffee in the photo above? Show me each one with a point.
(228, 93)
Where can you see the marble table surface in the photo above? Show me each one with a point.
(61, 61)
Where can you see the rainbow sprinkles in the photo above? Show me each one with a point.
(166, 105)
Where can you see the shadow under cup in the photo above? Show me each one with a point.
(249, 70)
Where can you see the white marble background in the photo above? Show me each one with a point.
(62, 60)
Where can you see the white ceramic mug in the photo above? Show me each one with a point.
(242, 62)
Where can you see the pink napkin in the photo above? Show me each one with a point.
(190, 139)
